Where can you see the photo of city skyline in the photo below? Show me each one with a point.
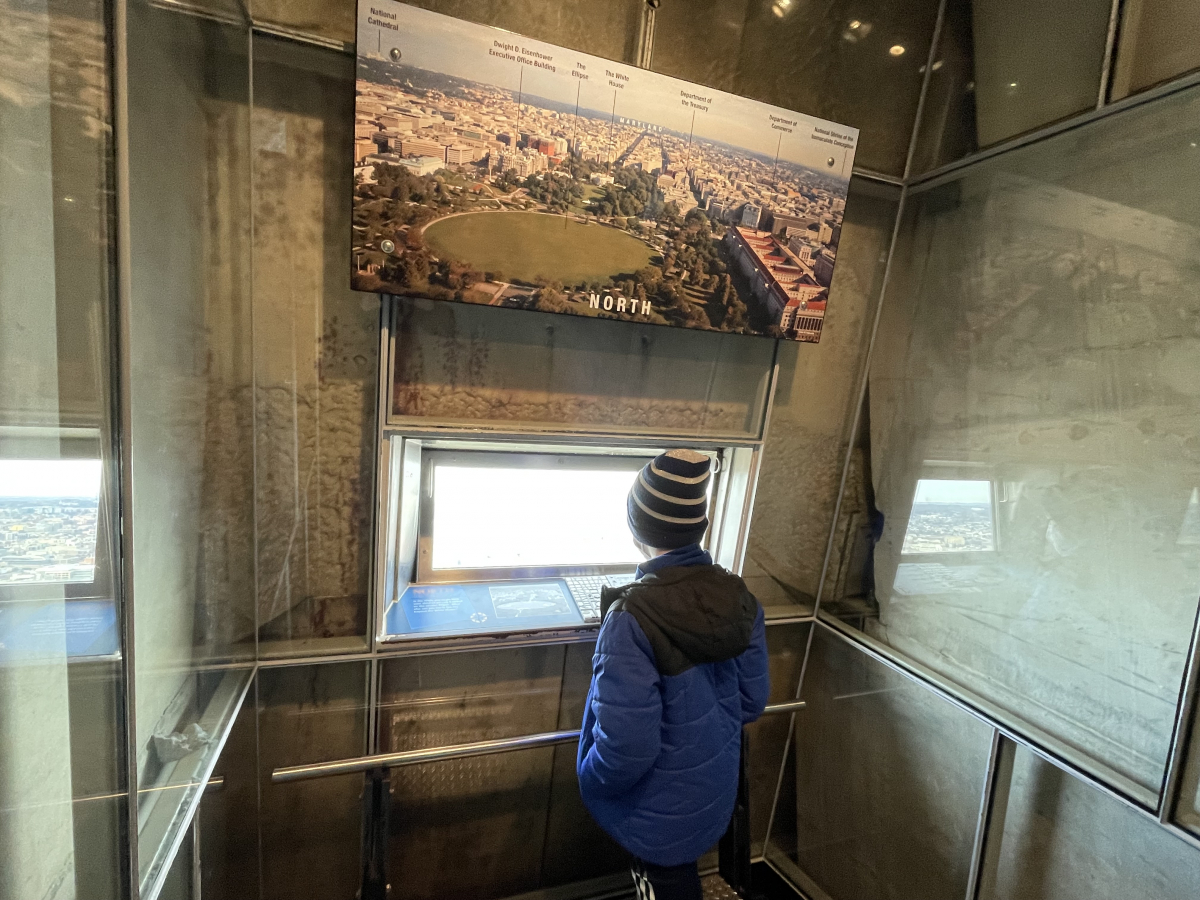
(494, 169)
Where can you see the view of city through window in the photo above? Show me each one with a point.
(490, 516)
(950, 516)
(48, 520)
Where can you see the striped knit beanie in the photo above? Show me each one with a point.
(668, 503)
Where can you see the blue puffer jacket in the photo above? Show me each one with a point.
(680, 667)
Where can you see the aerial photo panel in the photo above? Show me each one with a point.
(494, 169)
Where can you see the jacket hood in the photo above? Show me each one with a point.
(691, 615)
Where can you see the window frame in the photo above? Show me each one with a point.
(400, 481)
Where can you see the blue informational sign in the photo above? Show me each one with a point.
(53, 628)
(483, 608)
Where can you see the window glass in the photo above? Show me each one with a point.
(1040, 327)
(495, 516)
(63, 786)
(190, 404)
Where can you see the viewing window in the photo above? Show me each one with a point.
(483, 536)
(951, 516)
(498, 514)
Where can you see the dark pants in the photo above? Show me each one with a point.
(666, 882)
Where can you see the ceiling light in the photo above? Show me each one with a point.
(856, 30)
(896, 49)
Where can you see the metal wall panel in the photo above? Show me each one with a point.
(309, 834)
(576, 847)
(473, 827)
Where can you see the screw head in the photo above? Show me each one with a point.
(830, 162)
(387, 246)
(395, 54)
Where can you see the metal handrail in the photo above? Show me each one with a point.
(453, 751)
(784, 707)
(413, 757)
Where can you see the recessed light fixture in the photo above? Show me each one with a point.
(896, 49)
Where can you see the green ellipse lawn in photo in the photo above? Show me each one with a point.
(525, 246)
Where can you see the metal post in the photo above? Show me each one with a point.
(985, 860)
(376, 810)
(197, 865)
(733, 851)
(645, 48)
(122, 378)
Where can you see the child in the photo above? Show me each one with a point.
(680, 667)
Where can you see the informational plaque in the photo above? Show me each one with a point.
(494, 169)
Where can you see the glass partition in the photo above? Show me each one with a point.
(1003, 68)
(889, 778)
(1187, 803)
(816, 396)
(457, 364)
(772, 776)
(569, 825)
(1037, 361)
(63, 785)
(1156, 42)
(1052, 837)
(188, 360)
(316, 359)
